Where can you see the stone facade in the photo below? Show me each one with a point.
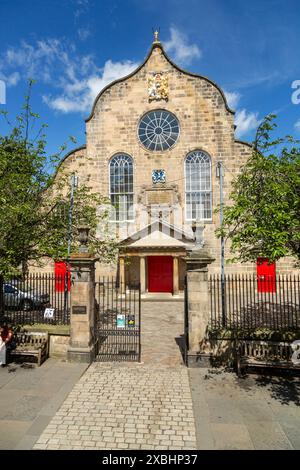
(206, 123)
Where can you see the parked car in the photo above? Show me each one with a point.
(23, 297)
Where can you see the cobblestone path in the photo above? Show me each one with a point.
(162, 327)
(125, 406)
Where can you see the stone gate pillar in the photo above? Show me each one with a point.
(82, 309)
(198, 302)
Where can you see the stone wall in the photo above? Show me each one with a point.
(206, 123)
(58, 346)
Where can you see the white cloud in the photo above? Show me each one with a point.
(83, 33)
(297, 125)
(76, 79)
(13, 79)
(178, 46)
(81, 7)
(245, 122)
(10, 79)
(232, 98)
(78, 96)
(36, 61)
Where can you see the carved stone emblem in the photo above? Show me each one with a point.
(158, 176)
(158, 86)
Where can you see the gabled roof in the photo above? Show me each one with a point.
(154, 45)
(158, 233)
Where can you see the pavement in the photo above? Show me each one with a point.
(133, 406)
(30, 397)
(129, 405)
(256, 412)
(159, 404)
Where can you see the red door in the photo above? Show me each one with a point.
(160, 274)
(60, 270)
(266, 275)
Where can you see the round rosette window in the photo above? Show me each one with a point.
(158, 130)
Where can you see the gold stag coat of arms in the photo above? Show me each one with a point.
(158, 88)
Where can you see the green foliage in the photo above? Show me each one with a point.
(264, 218)
(35, 201)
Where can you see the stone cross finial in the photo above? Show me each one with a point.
(156, 36)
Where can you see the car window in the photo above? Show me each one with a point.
(9, 289)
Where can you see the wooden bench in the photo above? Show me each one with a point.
(266, 354)
(32, 344)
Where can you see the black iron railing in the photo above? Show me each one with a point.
(246, 302)
(35, 298)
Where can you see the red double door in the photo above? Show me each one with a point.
(160, 274)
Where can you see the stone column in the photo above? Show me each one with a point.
(82, 308)
(198, 304)
(143, 274)
(175, 276)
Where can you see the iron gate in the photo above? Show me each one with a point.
(118, 321)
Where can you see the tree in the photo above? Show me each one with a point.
(264, 217)
(35, 201)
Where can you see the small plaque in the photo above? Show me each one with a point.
(160, 197)
(120, 320)
(131, 321)
(49, 312)
(79, 309)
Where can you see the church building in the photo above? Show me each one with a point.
(156, 142)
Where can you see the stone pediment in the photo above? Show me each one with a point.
(159, 233)
(158, 239)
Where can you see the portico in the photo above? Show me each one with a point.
(154, 257)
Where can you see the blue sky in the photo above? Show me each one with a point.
(73, 48)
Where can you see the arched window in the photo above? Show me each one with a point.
(121, 187)
(198, 201)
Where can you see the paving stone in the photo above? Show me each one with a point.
(131, 422)
(268, 435)
(40, 446)
(231, 436)
(291, 430)
(267, 409)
